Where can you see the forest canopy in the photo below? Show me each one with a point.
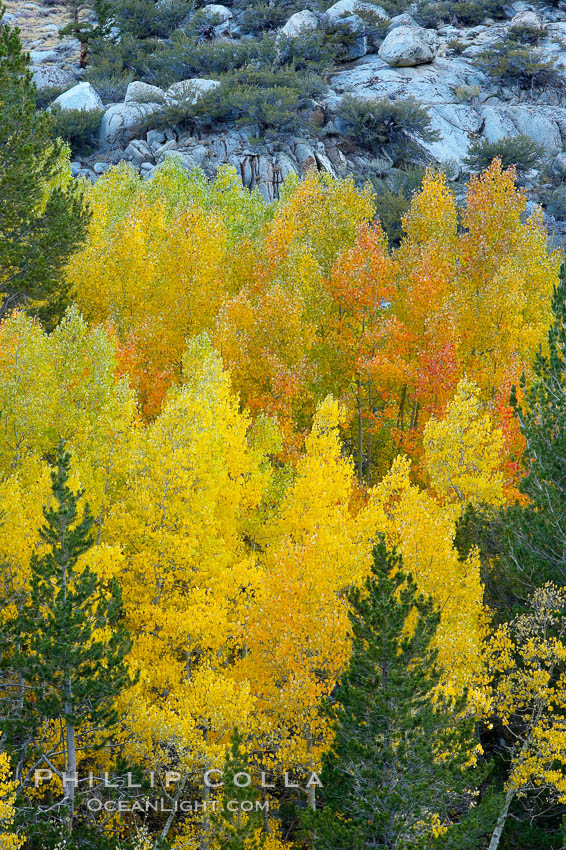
(281, 501)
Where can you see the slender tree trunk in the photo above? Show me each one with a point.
(71, 754)
(370, 434)
(173, 812)
(401, 412)
(311, 791)
(360, 432)
(501, 820)
(264, 812)
(205, 829)
(25, 744)
(9, 303)
(311, 797)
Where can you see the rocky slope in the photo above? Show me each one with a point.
(436, 67)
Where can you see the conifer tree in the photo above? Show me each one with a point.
(394, 777)
(538, 530)
(71, 646)
(233, 828)
(42, 216)
(81, 25)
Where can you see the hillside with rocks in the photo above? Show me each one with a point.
(346, 88)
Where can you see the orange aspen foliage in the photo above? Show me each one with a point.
(473, 299)
(356, 342)
(265, 341)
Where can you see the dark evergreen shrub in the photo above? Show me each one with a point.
(383, 125)
(78, 127)
(462, 12)
(526, 67)
(520, 151)
(145, 19)
(393, 197)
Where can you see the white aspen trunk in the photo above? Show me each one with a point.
(71, 755)
(501, 821)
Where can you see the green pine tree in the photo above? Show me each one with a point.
(537, 531)
(233, 827)
(41, 223)
(81, 25)
(396, 765)
(69, 674)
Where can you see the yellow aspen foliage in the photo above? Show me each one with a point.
(62, 386)
(23, 496)
(523, 685)
(191, 484)
(463, 451)
(161, 256)
(9, 839)
(314, 220)
(422, 532)
(158, 280)
(432, 215)
(243, 213)
(501, 296)
(426, 266)
(285, 291)
(298, 631)
(267, 332)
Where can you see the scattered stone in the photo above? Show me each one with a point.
(171, 145)
(39, 57)
(185, 159)
(355, 26)
(305, 157)
(122, 122)
(199, 153)
(559, 165)
(344, 8)
(557, 203)
(531, 121)
(155, 138)
(82, 96)
(138, 92)
(190, 91)
(408, 46)
(138, 151)
(299, 23)
(528, 21)
(221, 13)
(513, 9)
(403, 20)
(51, 76)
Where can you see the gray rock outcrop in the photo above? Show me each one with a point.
(406, 46)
